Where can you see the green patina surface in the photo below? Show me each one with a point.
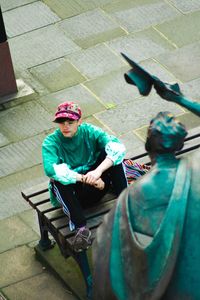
(163, 204)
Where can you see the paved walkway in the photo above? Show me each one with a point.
(70, 50)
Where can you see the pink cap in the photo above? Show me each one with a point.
(68, 110)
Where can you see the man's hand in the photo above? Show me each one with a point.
(92, 176)
(99, 184)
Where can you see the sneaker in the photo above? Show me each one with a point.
(82, 239)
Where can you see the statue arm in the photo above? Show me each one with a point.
(177, 97)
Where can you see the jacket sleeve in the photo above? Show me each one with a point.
(115, 150)
(52, 167)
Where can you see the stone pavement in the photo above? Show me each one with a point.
(70, 50)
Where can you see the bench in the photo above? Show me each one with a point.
(52, 220)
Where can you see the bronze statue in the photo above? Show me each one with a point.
(163, 204)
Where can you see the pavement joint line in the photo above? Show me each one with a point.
(164, 67)
(116, 54)
(41, 64)
(138, 135)
(166, 38)
(28, 137)
(82, 73)
(32, 30)
(25, 223)
(106, 126)
(21, 5)
(35, 78)
(92, 93)
(172, 5)
(27, 277)
(25, 169)
(113, 19)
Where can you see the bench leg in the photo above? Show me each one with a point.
(82, 261)
(45, 243)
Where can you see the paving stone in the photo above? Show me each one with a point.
(115, 6)
(24, 179)
(96, 61)
(91, 28)
(57, 74)
(182, 30)
(40, 89)
(30, 218)
(142, 132)
(24, 121)
(183, 62)
(144, 16)
(156, 69)
(14, 233)
(18, 264)
(185, 5)
(133, 144)
(11, 201)
(6, 5)
(27, 18)
(3, 140)
(141, 46)
(135, 114)
(39, 46)
(113, 90)
(21, 155)
(94, 121)
(35, 288)
(79, 94)
(191, 89)
(189, 120)
(66, 9)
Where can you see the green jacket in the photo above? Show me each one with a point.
(64, 157)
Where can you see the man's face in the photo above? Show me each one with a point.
(69, 127)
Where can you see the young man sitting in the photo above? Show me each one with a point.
(81, 161)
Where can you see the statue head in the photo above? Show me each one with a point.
(166, 134)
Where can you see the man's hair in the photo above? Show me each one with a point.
(165, 134)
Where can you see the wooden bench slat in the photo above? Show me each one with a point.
(44, 208)
(39, 199)
(91, 223)
(54, 214)
(61, 222)
(35, 190)
(189, 146)
(99, 209)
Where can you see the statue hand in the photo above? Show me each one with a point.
(167, 91)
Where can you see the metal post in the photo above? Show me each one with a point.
(7, 77)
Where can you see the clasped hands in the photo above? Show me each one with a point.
(93, 178)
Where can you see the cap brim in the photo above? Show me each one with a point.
(65, 115)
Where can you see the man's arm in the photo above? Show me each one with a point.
(178, 98)
(92, 176)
